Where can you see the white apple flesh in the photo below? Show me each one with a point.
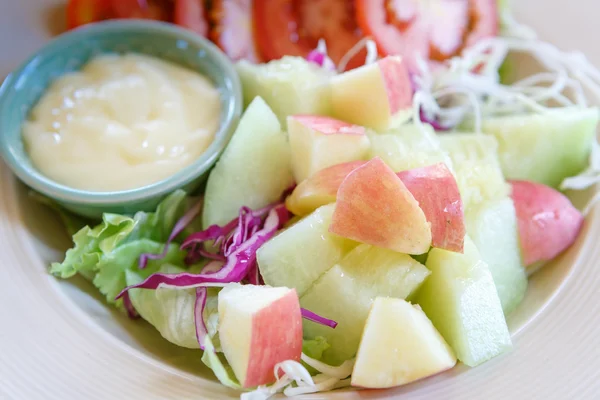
(259, 327)
(378, 95)
(399, 345)
(319, 142)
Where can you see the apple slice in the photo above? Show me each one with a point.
(437, 192)
(320, 142)
(346, 291)
(375, 207)
(378, 95)
(320, 189)
(399, 345)
(548, 222)
(259, 327)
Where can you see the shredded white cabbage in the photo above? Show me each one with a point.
(469, 87)
(363, 43)
(296, 379)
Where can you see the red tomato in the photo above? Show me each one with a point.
(294, 27)
(81, 12)
(436, 29)
(232, 31)
(190, 14)
(144, 9)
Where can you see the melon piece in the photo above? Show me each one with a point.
(548, 222)
(375, 207)
(290, 85)
(259, 327)
(545, 148)
(299, 255)
(408, 146)
(493, 228)
(254, 169)
(435, 189)
(461, 300)
(345, 294)
(377, 95)
(399, 345)
(319, 142)
(320, 189)
(476, 167)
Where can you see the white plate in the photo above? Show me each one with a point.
(58, 340)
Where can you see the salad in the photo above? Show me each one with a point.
(367, 225)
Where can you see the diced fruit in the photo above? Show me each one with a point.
(408, 147)
(345, 294)
(320, 142)
(435, 189)
(548, 222)
(254, 169)
(259, 327)
(378, 95)
(462, 302)
(493, 228)
(320, 189)
(299, 255)
(290, 86)
(375, 207)
(399, 345)
(545, 148)
(476, 167)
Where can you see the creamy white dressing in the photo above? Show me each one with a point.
(122, 122)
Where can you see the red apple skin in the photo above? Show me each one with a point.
(276, 337)
(328, 125)
(548, 222)
(320, 189)
(436, 190)
(397, 83)
(374, 207)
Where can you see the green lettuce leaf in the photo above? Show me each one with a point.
(220, 368)
(104, 253)
(314, 348)
(171, 311)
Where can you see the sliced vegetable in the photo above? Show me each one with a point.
(191, 14)
(434, 30)
(232, 29)
(81, 12)
(144, 9)
(287, 27)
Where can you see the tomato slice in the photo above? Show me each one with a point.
(144, 9)
(81, 12)
(191, 14)
(232, 31)
(435, 30)
(294, 27)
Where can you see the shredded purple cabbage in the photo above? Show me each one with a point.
(199, 304)
(433, 122)
(237, 264)
(311, 316)
(319, 56)
(183, 222)
(131, 311)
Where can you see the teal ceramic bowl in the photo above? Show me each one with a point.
(69, 52)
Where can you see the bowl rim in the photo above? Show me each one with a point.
(39, 182)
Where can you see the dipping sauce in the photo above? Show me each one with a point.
(122, 122)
